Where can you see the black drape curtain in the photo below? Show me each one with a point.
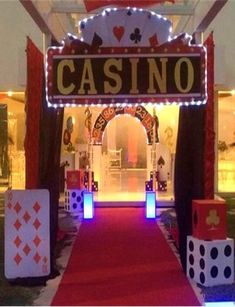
(51, 124)
(189, 170)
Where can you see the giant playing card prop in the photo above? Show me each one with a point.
(126, 28)
(27, 236)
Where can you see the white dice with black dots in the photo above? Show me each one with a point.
(73, 200)
(210, 263)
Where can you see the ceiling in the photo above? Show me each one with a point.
(56, 18)
(59, 17)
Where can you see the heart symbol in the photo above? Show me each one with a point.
(118, 32)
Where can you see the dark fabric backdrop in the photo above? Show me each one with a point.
(195, 156)
(51, 125)
(43, 140)
(189, 170)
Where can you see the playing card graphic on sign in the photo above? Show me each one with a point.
(126, 28)
(116, 25)
(156, 30)
(27, 233)
(163, 160)
(135, 24)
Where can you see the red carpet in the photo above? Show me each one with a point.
(121, 258)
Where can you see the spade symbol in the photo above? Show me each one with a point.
(161, 161)
(96, 41)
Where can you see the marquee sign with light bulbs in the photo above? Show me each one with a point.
(90, 73)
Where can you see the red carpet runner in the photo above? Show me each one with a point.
(121, 258)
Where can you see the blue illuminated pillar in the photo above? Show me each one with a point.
(88, 207)
(219, 304)
(150, 204)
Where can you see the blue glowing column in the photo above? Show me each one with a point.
(150, 204)
(219, 304)
(88, 207)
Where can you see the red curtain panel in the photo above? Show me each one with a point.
(209, 122)
(93, 5)
(33, 109)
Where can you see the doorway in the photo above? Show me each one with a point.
(124, 152)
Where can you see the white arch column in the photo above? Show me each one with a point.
(97, 164)
(149, 158)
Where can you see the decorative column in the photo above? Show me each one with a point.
(149, 158)
(97, 168)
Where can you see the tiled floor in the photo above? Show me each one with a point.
(128, 185)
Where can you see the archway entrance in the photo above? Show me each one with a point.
(123, 151)
(109, 113)
(124, 137)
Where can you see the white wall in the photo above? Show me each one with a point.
(223, 27)
(15, 26)
(224, 38)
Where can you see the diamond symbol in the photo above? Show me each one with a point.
(9, 205)
(17, 207)
(17, 241)
(36, 224)
(26, 249)
(37, 257)
(37, 240)
(36, 207)
(26, 217)
(17, 259)
(17, 224)
(45, 259)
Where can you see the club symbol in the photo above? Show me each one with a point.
(136, 36)
(212, 219)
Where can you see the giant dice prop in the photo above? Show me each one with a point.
(149, 185)
(75, 179)
(73, 201)
(210, 263)
(209, 219)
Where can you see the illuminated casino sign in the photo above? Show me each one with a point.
(104, 76)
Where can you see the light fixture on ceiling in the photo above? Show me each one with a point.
(226, 92)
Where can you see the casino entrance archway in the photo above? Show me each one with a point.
(122, 137)
(129, 169)
(139, 112)
(151, 70)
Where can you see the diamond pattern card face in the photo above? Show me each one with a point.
(27, 233)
